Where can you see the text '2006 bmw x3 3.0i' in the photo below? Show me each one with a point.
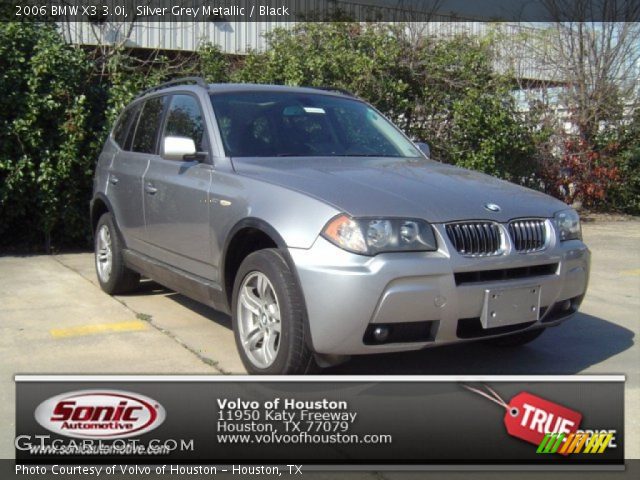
(322, 229)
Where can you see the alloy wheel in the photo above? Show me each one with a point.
(259, 322)
(104, 253)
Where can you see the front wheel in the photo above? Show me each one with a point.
(268, 316)
(114, 277)
(517, 339)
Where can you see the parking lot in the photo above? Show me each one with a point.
(55, 319)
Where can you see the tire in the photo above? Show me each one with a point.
(517, 339)
(264, 291)
(108, 248)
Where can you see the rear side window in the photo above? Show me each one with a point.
(122, 127)
(135, 115)
(184, 119)
(148, 126)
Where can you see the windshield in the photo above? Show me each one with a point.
(278, 124)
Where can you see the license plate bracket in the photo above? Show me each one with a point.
(510, 306)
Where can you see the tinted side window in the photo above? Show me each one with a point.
(148, 126)
(135, 115)
(122, 127)
(185, 120)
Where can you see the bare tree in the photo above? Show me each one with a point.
(578, 77)
(596, 56)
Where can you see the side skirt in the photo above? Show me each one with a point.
(192, 286)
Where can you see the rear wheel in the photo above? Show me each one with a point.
(268, 316)
(516, 339)
(114, 277)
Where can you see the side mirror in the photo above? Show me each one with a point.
(176, 148)
(424, 148)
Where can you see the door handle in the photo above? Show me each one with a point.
(114, 180)
(150, 189)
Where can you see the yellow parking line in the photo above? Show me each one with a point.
(635, 272)
(82, 330)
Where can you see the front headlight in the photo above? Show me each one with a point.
(568, 224)
(369, 236)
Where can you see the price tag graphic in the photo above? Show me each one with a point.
(529, 417)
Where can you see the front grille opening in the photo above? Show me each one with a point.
(475, 239)
(407, 332)
(463, 278)
(528, 235)
(472, 328)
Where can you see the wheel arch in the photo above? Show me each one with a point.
(247, 236)
(100, 205)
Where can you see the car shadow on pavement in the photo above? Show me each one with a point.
(210, 313)
(570, 348)
(149, 287)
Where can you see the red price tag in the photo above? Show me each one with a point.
(530, 417)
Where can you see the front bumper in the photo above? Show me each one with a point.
(429, 298)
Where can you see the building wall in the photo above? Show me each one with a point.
(514, 55)
(232, 37)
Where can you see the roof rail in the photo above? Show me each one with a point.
(336, 90)
(197, 80)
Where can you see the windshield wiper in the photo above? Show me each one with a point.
(337, 155)
(369, 155)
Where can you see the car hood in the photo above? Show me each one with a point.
(425, 189)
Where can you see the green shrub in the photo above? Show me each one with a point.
(625, 194)
(212, 64)
(48, 130)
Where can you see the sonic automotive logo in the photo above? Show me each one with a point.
(100, 414)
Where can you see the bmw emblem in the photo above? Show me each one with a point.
(492, 207)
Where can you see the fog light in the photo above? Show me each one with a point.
(566, 305)
(381, 334)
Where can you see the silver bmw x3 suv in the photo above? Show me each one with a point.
(322, 229)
